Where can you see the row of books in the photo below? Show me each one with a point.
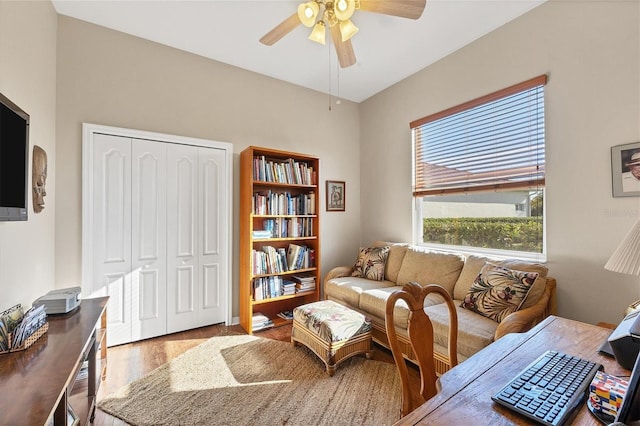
(288, 171)
(275, 260)
(276, 286)
(270, 287)
(283, 203)
(286, 228)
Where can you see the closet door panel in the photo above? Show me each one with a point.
(112, 232)
(182, 223)
(184, 303)
(214, 226)
(149, 223)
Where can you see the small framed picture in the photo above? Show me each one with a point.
(625, 170)
(335, 196)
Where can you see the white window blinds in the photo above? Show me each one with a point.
(491, 143)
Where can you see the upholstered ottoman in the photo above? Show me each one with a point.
(332, 331)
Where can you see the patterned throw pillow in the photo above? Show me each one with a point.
(371, 262)
(498, 291)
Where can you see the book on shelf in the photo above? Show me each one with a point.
(261, 233)
(260, 321)
(300, 257)
(304, 283)
(287, 315)
(270, 287)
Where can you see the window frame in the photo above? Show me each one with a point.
(540, 184)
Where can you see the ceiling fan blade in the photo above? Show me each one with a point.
(344, 49)
(281, 30)
(411, 9)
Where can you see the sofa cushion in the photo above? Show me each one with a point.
(394, 260)
(430, 267)
(371, 262)
(349, 289)
(473, 265)
(474, 331)
(374, 302)
(498, 291)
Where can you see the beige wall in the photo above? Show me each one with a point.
(591, 52)
(110, 78)
(28, 78)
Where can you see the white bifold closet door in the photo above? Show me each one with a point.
(158, 236)
(193, 260)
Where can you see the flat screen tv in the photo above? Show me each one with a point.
(14, 166)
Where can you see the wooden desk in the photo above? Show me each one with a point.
(37, 384)
(466, 390)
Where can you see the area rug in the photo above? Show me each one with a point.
(247, 380)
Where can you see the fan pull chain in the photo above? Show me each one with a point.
(329, 50)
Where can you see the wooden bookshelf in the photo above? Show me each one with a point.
(279, 193)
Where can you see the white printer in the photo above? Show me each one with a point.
(60, 301)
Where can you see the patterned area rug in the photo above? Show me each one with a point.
(247, 380)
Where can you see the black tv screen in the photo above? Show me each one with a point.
(14, 149)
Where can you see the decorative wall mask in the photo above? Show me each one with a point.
(39, 178)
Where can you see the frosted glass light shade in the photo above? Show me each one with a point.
(347, 29)
(318, 33)
(626, 258)
(307, 13)
(343, 9)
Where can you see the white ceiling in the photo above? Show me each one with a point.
(388, 49)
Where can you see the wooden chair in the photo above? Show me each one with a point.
(420, 331)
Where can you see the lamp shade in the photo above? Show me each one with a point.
(347, 29)
(343, 9)
(318, 33)
(307, 13)
(626, 258)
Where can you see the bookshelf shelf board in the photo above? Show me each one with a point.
(279, 322)
(282, 185)
(286, 216)
(266, 240)
(279, 298)
(294, 272)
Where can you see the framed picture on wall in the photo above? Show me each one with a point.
(625, 170)
(335, 196)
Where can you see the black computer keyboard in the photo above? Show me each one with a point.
(550, 389)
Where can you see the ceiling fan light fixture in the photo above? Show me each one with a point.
(308, 12)
(318, 33)
(344, 9)
(347, 29)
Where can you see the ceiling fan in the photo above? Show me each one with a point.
(336, 14)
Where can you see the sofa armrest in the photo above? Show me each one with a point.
(337, 272)
(524, 320)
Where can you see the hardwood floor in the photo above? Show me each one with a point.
(126, 363)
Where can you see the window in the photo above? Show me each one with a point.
(479, 173)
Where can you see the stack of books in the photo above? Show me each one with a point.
(260, 322)
(288, 287)
(305, 283)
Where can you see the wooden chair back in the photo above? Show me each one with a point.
(420, 333)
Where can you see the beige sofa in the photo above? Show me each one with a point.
(454, 272)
